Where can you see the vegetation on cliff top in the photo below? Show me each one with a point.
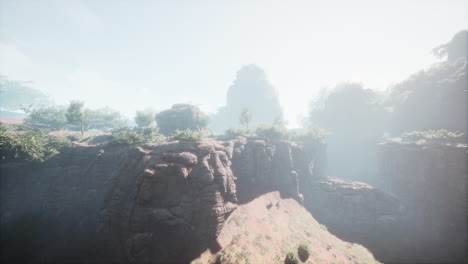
(432, 135)
(29, 145)
(137, 135)
(188, 135)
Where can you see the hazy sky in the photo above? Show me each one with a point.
(131, 55)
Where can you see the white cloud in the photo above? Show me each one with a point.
(14, 63)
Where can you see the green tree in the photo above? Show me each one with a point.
(245, 117)
(47, 117)
(144, 118)
(104, 119)
(76, 114)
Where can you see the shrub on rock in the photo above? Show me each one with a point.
(291, 258)
(188, 135)
(303, 252)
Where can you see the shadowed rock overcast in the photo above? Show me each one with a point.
(155, 53)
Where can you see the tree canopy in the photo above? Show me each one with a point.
(144, 118)
(250, 89)
(76, 114)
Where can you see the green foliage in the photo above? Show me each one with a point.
(224, 257)
(432, 135)
(311, 136)
(128, 136)
(52, 118)
(245, 117)
(291, 258)
(76, 114)
(203, 120)
(433, 98)
(47, 118)
(188, 135)
(252, 89)
(272, 132)
(74, 137)
(144, 118)
(303, 252)
(237, 131)
(29, 145)
(104, 119)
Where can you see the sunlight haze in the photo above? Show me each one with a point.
(132, 55)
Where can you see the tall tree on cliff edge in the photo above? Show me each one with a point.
(250, 89)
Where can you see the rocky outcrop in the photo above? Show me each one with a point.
(151, 203)
(430, 177)
(169, 202)
(267, 228)
(359, 213)
(182, 117)
(183, 192)
(422, 215)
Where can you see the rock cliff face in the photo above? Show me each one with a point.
(166, 202)
(360, 213)
(421, 219)
(430, 178)
(51, 211)
(183, 192)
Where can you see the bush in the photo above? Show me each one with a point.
(128, 136)
(272, 132)
(203, 120)
(303, 252)
(188, 135)
(433, 135)
(144, 118)
(29, 145)
(291, 258)
(74, 137)
(104, 119)
(310, 136)
(47, 118)
(237, 131)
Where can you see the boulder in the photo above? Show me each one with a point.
(181, 117)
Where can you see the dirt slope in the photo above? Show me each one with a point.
(267, 228)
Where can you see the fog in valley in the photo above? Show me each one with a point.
(233, 132)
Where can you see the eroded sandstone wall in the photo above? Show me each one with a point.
(430, 178)
(165, 202)
(422, 216)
